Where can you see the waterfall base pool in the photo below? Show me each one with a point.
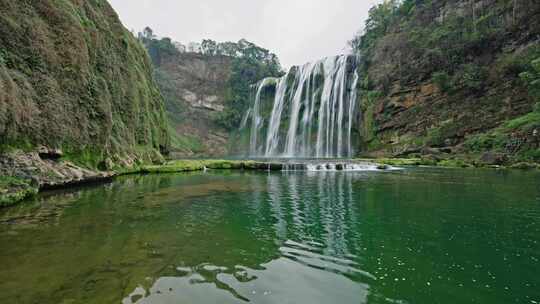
(418, 235)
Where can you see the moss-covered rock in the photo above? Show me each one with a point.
(72, 77)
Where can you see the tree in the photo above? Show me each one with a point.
(209, 47)
(194, 47)
(379, 20)
(148, 33)
(157, 48)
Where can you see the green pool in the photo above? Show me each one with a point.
(411, 236)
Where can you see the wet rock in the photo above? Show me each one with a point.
(430, 151)
(383, 167)
(275, 167)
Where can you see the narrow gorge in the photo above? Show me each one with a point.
(161, 151)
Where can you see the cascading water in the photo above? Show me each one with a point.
(256, 122)
(313, 111)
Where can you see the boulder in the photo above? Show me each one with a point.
(493, 158)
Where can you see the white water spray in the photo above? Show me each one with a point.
(313, 112)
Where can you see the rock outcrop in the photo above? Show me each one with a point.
(46, 173)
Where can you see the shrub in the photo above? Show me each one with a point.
(530, 155)
(531, 78)
(436, 136)
(485, 142)
(511, 65)
(472, 77)
(442, 81)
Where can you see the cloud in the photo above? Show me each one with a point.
(298, 31)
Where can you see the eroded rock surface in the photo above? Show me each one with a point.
(45, 173)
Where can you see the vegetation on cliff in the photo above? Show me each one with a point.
(72, 77)
(454, 74)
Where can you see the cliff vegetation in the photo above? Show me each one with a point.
(453, 77)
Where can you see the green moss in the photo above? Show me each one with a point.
(86, 84)
(368, 125)
(88, 158)
(14, 190)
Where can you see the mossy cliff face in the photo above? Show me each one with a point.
(73, 78)
(448, 77)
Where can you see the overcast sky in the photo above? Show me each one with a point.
(298, 31)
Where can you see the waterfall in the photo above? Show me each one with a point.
(272, 138)
(256, 121)
(313, 112)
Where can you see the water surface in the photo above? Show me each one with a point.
(412, 236)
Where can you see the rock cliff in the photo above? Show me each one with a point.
(448, 77)
(195, 87)
(74, 82)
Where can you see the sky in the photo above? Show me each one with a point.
(298, 31)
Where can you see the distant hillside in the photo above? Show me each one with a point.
(454, 76)
(207, 89)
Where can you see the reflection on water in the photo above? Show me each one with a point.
(413, 236)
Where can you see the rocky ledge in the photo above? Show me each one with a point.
(23, 174)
